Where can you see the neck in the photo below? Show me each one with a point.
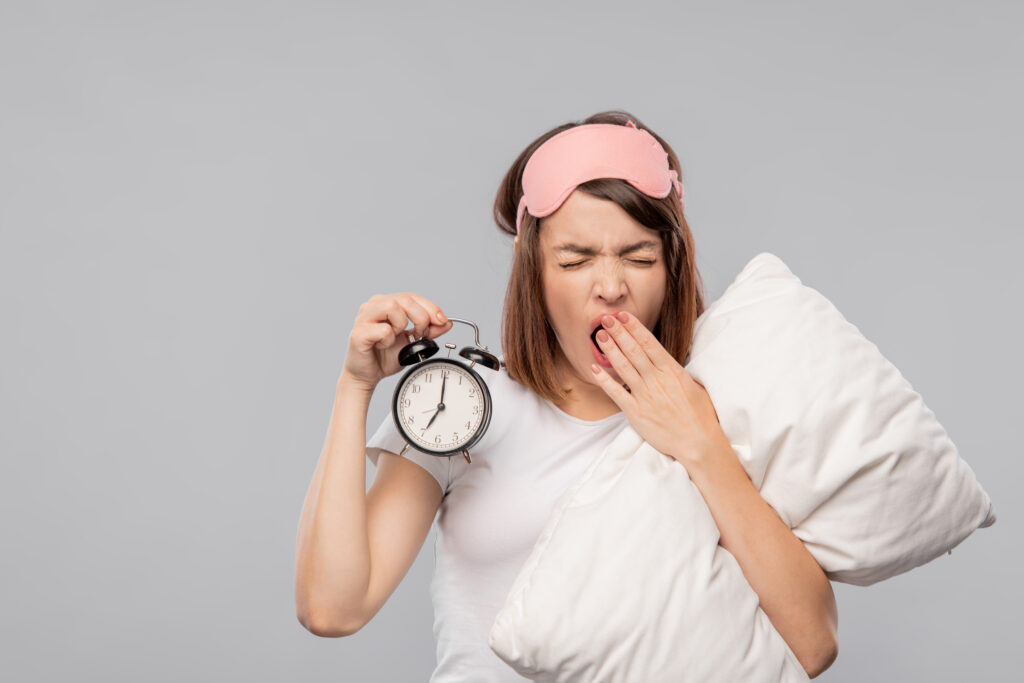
(586, 400)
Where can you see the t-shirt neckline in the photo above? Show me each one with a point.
(561, 413)
(578, 420)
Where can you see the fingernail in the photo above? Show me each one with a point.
(607, 321)
(623, 316)
(603, 336)
(440, 316)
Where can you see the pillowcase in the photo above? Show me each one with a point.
(627, 582)
(832, 435)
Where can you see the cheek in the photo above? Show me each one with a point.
(565, 293)
(560, 289)
(656, 285)
(556, 304)
(651, 292)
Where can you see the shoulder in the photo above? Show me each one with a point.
(503, 387)
(508, 399)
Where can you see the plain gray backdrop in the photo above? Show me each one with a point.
(197, 197)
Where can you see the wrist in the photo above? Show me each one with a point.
(346, 382)
(703, 461)
(712, 465)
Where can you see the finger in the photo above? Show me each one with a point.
(615, 391)
(630, 347)
(417, 313)
(379, 336)
(626, 370)
(657, 355)
(392, 312)
(438, 320)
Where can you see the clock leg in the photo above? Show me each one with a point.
(465, 454)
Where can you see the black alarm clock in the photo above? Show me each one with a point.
(442, 406)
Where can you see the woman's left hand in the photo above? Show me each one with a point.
(665, 405)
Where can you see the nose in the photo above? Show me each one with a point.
(610, 284)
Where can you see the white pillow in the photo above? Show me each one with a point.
(627, 581)
(833, 436)
(627, 584)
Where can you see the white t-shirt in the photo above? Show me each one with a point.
(492, 513)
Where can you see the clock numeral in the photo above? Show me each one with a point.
(455, 436)
(428, 378)
(469, 424)
(437, 439)
(472, 392)
(412, 418)
(415, 388)
(476, 410)
(407, 402)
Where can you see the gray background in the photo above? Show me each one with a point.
(198, 196)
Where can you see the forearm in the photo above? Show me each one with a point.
(332, 552)
(790, 584)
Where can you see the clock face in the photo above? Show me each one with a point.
(441, 406)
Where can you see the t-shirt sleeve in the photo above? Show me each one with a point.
(388, 438)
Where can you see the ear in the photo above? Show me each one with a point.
(515, 242)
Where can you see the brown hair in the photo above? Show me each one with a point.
(527, 340)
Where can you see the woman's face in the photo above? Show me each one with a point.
(596, 259)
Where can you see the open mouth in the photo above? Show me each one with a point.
(593, 339)
(595, 326)
(599, 357)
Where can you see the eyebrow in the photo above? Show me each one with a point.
(590, 251)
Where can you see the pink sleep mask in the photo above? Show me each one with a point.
(594, 150)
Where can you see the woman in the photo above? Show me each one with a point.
(600, 241)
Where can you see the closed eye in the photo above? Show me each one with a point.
(579, 263)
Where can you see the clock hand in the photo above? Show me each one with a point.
(431, 420)
(440, 405)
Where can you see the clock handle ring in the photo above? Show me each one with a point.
(476, 330)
